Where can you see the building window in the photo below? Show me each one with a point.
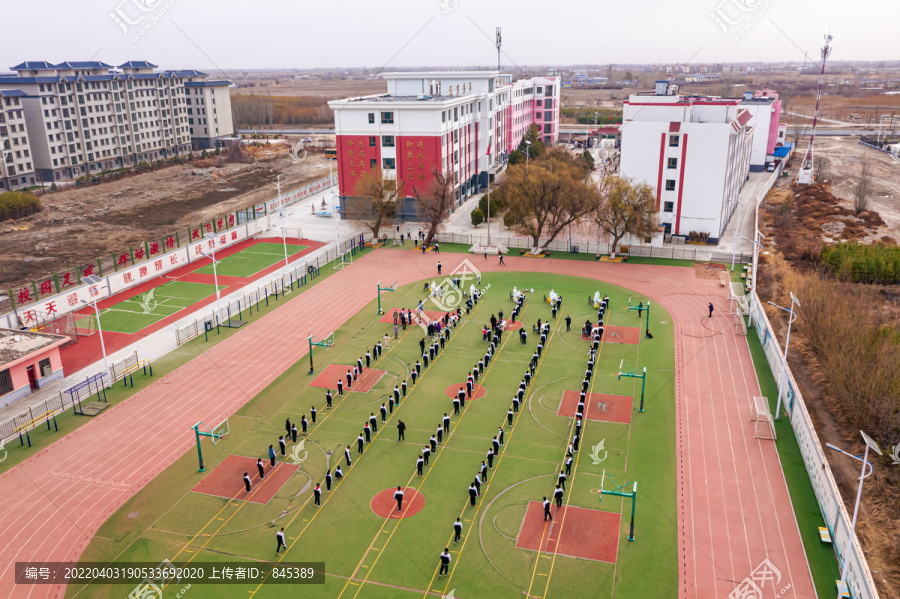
(387, 118)
(388, 164)
(387, 141)
(672, 163)
(456, 114)
(673, 141)
(45, 363)
(5, 382)
(372, 117)
(373, 163)
(670, 184)
(540, 102)
(548, 116)
(373, 141)
(668, 206)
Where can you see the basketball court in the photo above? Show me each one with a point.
(573, 532)
(617, 334)
(597, 406)
(227, 479)
(328, 378)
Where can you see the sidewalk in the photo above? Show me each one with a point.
(161, 342)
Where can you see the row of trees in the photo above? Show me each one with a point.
(539, 199)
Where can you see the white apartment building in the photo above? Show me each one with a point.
(460, 122)
(694, 151)
(89, 117)
(16, 161)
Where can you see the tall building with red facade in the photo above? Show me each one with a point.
(463, 123)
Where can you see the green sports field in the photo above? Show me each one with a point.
(136, 313)
(251, 260)
(399, 558)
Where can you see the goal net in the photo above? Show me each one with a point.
(763, 423)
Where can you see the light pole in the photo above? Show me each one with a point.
(283, 239)
(527, 153)
(737, 231)
(212, 243)
(488, 202)
(791, 319)
(757, 247)
(92, 281)
(870, 443)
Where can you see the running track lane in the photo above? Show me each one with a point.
(733, 507)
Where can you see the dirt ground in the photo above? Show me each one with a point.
(265, 84)
(79, 224)
(812, 221)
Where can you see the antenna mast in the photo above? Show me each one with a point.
(805, 176)
(498, 47)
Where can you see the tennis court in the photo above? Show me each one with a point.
(251, 260)
(135, 313)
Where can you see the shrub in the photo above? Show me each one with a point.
(864, 263)
(18, 204)
(477, 217)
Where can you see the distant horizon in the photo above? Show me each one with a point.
(215, 35)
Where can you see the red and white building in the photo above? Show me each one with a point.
(459, 122)
(28, 361)
(694, 151)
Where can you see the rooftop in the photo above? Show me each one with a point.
(15, 345)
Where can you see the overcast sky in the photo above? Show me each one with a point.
(237, 34)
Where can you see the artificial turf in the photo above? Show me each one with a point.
(349, 538)
(138, 312)
(251, 260)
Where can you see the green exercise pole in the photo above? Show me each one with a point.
(380, 289)
(627, 372)
(619, 493)
(196, 428)
(647, 326)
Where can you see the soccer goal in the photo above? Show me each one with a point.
(763, 423)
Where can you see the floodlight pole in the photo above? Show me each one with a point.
(842, 583)
(212, 238)
(737, 231)
(787, 342)
(527, 153)
(93, 304)
(283, 239)
(757, 247)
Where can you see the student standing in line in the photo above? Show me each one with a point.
(294, 433)
(558, 495)
(401, 431)
(373, 422)
(360, 442)
(473, 493)
(303, 423)
(457, 531)
(419, 463)
(272, 456)
(347, 455)
(261, 468)
(282, 444)
(328, 480)
(383, 411)
(317, 495)
(398, 496)
(547, 515)
(247, 484)
(328, 398)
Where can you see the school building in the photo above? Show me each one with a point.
(28, 361)
(464, 123)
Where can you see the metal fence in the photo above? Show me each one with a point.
(92, 385)
(702, 253)
(274, 289)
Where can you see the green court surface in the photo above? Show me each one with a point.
(399, 558)
(141, 311)
(251, 260)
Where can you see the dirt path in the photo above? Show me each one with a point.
(81, 224)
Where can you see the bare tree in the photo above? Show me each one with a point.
(625, 208)
(377, 200)
(863, 187)
(433, 207)
(822, 169)
(546, 196)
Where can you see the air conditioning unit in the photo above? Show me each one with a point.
(47, 370)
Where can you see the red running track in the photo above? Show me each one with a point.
(733, 507)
